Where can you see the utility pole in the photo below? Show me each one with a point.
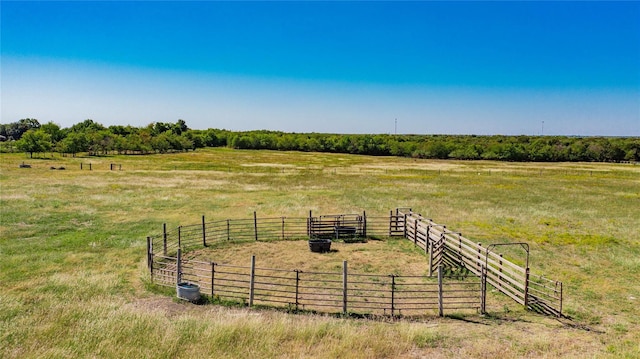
(396, 127)
(542, 132)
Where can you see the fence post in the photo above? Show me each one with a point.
(149, 253)
(430, 259)
(479, 263)
(179, 267)
(483, 291)
(393, 290)
(560, 310)
(204, 233)
(440, 248)
(500, 269)
(309, 231)
(179, 236)
(89, 166)
(390, 222)
(228, 230)
(526, 289)
(297, 287)
(404, 226)
(213, 274)
(427, 239)
(151, 258)
(364, 224)
(283, 228)
(252, 280)
(344, 287)
(164, 238)
(255, 224)
(415, 232)
(440, 297)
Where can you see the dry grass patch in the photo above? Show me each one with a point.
(381, 257)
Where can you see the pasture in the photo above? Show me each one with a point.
(74, 280)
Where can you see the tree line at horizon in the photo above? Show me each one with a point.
(92, 138)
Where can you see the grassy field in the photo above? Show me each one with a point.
(72, 244)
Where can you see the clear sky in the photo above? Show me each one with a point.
(557, 68)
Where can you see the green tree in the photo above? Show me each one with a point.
(100, 142)
(180, 127)
(54, 131)
(87, 125)
(438, 149)
(15, 130)
(75, 142)
(34, 141)
(196, 137)
(161, 143)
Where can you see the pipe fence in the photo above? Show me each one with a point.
(333, 292)
(447, 252)
(451, 250)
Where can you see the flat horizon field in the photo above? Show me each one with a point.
(74, 280)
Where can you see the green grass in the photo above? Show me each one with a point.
(73, 275)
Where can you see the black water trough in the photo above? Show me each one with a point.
(320, 245)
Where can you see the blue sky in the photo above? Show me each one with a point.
(561, 68)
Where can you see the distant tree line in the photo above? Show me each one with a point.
(27, 135)
(463, 147)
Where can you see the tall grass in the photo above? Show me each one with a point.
(72, 245)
